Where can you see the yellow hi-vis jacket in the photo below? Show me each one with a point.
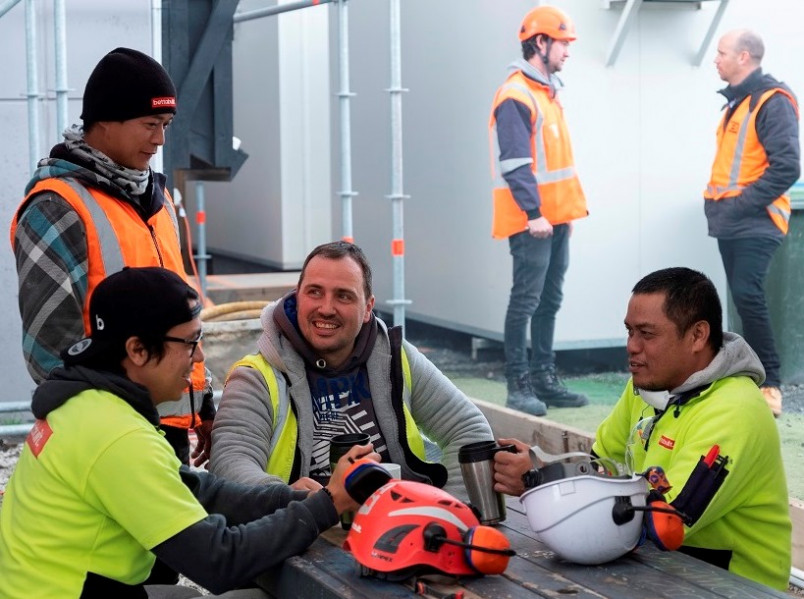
(741, 159)
(551, 160)
(285, 427)
(118, 237)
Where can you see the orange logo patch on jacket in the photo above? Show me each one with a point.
(38, 437)
(667, 443)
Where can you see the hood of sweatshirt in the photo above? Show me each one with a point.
(553, 82)
(754, 85)
(63, 384)
(280, 325)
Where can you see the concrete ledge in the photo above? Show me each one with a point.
(269, 286)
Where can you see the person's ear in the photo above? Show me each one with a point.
(700, 332)
(369, 308)
(136, 352)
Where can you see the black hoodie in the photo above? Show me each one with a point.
(246, 532)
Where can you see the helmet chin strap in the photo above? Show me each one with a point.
(657, 399)
(546, 55)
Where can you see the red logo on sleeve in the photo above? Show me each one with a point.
(38, 437)
(667, 443)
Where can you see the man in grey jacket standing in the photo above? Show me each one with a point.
(327, 365)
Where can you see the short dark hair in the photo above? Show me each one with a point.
(336, 250)
(529, 46)
(689, 298)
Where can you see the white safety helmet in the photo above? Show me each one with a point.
(587, 519)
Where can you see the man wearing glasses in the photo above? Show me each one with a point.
(694, 387)
(98, 492)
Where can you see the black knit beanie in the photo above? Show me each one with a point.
(127, 84)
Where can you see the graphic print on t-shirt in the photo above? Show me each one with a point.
(341, 404)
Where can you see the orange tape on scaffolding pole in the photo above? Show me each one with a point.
(201, 217)
(397, 247)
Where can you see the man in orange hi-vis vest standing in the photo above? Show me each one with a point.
(757, 161)
(93, 207)
(537, 195)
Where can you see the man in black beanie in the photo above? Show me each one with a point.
(95, 206)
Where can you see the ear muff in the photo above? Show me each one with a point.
(487, 550)
(363, 478)
(664, 526)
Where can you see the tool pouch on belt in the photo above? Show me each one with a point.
(705, 480)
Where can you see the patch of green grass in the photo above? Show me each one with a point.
(603, 391)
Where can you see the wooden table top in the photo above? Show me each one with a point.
(326, 571)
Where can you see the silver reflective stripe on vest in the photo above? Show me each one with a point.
(171, 210)
(779, 212)
(736, 161)
(180, 407)
(542, 175)
(110, 251)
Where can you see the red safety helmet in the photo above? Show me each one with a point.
(407, 528)
(549, 21)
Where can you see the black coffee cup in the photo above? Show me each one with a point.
(477, 469)
(339, 446)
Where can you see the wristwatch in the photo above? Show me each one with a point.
(532, 478)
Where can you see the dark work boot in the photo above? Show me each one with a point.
(546, 384)
(521, 397)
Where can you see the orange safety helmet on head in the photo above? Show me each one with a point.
(549, 21)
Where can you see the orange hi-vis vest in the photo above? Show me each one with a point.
(741, 159)
(552, 163)
(118, 237)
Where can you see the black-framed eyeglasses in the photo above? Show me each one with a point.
(193, 343)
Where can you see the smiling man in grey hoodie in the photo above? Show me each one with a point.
(327, 365)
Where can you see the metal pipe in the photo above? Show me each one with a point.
(7, 6)
(21, 430)
(275, 10)
(156, 53)
(344, 105)
(201, 255)
(797, 578)
(397, 196)
(33, 79)
(60, 43)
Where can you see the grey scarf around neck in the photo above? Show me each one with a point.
(133, 181)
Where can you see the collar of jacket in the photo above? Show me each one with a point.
(754, 85)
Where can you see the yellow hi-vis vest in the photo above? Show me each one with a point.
(741, 159)
(283, 445)
(551, 160)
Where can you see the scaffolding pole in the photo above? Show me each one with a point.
(344, 104)
(60, 34)
(397, 195)
(33, 83)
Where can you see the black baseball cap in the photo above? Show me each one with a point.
(134, 302)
